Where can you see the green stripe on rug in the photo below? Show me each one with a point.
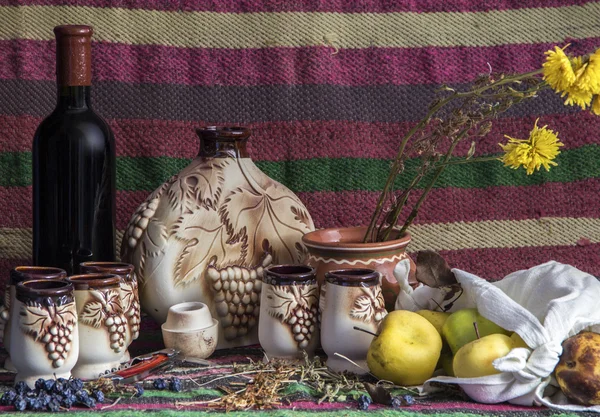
(334, 174)
(187, 395)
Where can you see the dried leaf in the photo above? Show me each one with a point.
(433, 270)
(379, 394)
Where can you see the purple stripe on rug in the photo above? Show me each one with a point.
(333, 209)
(282, 66)
(295, 140)
(325, 406)
(336, 6)
(5, 266)
(244, 104)
(445, 205)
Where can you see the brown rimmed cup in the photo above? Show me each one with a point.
(129, 293)
(44, 330)
(350, 298)
(102, 324)
(288, 322)
(17, 275)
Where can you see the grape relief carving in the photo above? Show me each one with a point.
(52, 326)
(297, 307)
(369, 306)
(131, 306)
(104, 309)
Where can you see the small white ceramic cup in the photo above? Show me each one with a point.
(17, 275)
(44, 335)
(288, 321)
(102, 324)
(191, 330)
(350, 297)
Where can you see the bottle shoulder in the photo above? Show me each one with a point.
(74, 125)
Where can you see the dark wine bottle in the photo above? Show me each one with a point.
(73, 166)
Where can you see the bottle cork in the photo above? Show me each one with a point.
(73, 55)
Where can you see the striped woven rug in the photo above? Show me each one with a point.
(328, 87)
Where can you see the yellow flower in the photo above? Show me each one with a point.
(539, 150)
(588, 75)
(596, 106)
(558, 69)
(577, 97)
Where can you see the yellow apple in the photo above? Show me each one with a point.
(518, 342)
(407, 349)
(437, 318)
(475, 358)
(458, 330)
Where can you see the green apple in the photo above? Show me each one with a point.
(458, 330)
(446, 362)
(475, 358)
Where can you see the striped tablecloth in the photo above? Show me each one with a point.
(201, 386)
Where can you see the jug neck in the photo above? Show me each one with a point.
(223, 142)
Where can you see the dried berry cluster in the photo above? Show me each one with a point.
(51, 395)
(173, 383)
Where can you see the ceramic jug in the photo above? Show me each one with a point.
(208, 232)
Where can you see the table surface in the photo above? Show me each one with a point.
(200, 386)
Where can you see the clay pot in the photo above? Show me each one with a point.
(208, 232)
(289, 323)
(102, 324)
(44, 336)
(342, 248)
(17, 275)
(350, 298)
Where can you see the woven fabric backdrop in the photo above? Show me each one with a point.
(328, 88)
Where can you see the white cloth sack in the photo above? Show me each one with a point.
(545, 305)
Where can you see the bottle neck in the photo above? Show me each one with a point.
(222, 148)
(73, 97)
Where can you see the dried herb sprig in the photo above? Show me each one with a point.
(452, 117)
(267, 383)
